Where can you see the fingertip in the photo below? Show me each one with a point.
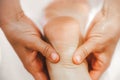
(54, 57)
(49, 52)
(77, 59)
(95, 75)
(40, 76)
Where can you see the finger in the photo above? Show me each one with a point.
(46, 50)
(83, 51)
(39, 73)
(97, 71)
(95, 75)
(98, 66)
(40, 76)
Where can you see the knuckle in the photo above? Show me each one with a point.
(27, 64)
(46, 50)
(29, 43)
(84, 52)
(97, 43)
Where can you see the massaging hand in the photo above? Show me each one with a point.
(101, 40)
(25, 38)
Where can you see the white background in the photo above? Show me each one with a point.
(12, 69)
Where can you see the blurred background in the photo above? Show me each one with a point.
(11, 67)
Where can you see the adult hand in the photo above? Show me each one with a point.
(101, 40)
(25, 38)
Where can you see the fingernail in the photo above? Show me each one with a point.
(77, 59)
(54, 56)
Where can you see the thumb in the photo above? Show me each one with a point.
(46, 50)
(83, 51)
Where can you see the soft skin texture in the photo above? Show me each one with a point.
(79, 10)
(64, 35)
(64, 30)
(25, 38)
(104, 33)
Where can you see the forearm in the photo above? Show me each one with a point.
(10, 10)
(112, 14)
(111, 8)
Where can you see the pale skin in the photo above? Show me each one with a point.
(104, 33)
(64, 35)
(11, 19)
(64, 31)
(25, 38)
(98, 34)
(79, 10)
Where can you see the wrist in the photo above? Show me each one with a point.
(111, 11)
(9, 12)
(10, 19)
